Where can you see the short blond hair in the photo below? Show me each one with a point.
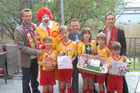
(101, 35)
(63, 28)
(115, 46)
(25, 10)
(110, 13)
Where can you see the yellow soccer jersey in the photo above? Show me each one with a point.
(53, 32)
(104, 52)
(111, 58)
(82, 45)
(52, 54)
(119, 60)
(67, 49)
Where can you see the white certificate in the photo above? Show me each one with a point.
(64, 62)
(118, 68)
(95, 63)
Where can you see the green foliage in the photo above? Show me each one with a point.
(11, 13)
(81, 9)
(94, 26)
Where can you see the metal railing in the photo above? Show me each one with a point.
(133, 50)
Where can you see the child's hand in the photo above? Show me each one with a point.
(127, 69)
(110, 66)
(77, 41)
(124, 60)
(60, 53)
(48, 62)
(42, 63)
(100, 55)
(88, 63)
(93, 50)
(73, 58)
(40, 52)
(54, 64)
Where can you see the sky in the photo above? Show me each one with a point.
(130, 19)
(133, 3)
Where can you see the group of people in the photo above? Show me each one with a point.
(43, 44)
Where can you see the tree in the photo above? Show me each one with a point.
(84, 9)
(80, 9)
(11, 13)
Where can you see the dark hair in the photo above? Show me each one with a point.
(84, 31)
(115, 46)
(47, 38)
(109, 14)
(74, 20)
(101, 35)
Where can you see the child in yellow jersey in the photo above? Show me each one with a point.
(66, 47)
(47, 63)
(87, 46)
(115, 82)
(104, 52)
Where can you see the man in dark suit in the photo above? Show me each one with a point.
(74, 35)
(115, 34)
(28, 41)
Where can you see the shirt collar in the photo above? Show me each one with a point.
(42, 26)
(26, 24)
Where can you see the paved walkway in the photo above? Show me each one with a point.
(14, 85)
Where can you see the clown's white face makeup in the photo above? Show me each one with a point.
(45, 18)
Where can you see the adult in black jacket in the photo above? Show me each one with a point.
(115, 34)
(120, 38)
(74, 35)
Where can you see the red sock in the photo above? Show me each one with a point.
(45, 92)
(50, 91)
(102, 91)
(70, 90)
(62, 90)
(84, 90)
(91, 91)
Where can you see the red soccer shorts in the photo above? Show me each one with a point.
(100, 78)
(47, 77)
(65, 75)
(114, 82)
(85, 75)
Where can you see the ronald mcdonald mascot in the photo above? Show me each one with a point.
(47, 27)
